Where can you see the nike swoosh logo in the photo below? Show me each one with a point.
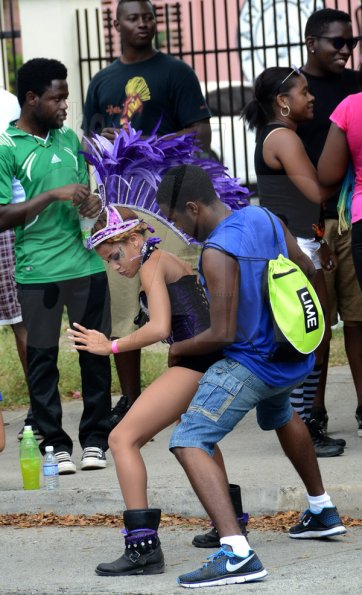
(306, 523)
(232, 567)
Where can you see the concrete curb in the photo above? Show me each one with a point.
(254, 460)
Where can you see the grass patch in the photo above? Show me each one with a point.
(13, 385)
(14, 389)
(337, 354)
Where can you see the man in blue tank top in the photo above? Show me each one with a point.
(236, 247)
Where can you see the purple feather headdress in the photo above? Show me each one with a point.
(129, 170)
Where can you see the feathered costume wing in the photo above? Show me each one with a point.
(129, 170)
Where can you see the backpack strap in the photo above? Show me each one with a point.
(274, 228)
(215, 247)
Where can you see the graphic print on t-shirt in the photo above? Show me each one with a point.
(137, 92)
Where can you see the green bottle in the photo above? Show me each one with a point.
(30, 460)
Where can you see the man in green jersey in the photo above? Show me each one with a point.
(43, 191)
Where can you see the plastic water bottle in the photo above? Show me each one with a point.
(50, 469)
(30, 460)
(86, 224)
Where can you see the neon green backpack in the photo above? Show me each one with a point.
(296, 312)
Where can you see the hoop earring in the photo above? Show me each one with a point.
(286, 107)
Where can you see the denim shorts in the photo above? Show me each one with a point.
(226, 393)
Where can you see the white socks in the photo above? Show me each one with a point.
(317, 503)
(239, 544)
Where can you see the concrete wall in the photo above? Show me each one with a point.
(49, 30)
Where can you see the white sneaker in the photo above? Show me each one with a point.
(93, 458)
(65, 463)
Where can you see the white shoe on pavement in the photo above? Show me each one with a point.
(65, 463)
(93, 458)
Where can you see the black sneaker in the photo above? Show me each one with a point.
(37, 435)
(359, 420)
(225, 568)
(330, 440)
(211, 539)
(325, 524)
(117, 414)
(65, 463)
(324, 446)
(319, 415)
(93, 458)
(145, 557)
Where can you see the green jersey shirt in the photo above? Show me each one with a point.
(48, 248)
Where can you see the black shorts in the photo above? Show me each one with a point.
(200, 363)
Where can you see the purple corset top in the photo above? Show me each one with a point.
(189, 308)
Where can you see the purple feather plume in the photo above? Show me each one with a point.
(130, 170)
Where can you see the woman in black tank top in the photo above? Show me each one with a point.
(288, 184)
(287, 180)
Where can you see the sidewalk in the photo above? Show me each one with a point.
(253, 458)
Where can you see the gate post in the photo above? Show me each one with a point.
(49, 30)
(2, 69)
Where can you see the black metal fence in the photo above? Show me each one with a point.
(9, 40)
(227, 42)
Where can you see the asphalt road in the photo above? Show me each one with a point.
(61, 560)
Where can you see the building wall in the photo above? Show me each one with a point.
(49, 30)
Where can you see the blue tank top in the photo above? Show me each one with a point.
(248, 236)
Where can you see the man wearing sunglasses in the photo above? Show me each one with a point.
(330, 43)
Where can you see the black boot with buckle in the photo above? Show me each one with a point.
(211, 539)
(143, 553)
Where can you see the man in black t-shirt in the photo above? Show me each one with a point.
(143, 87)
(330, 42)
(160, 89)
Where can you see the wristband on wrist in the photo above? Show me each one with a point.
(322, 241)
(115, 346)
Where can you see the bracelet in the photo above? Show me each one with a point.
(115, 346)
(322, 241)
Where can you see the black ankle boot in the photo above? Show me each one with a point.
(143, 553)
(320, 417)
(324, 446)
(116, 415)
(119, 411)
(211, 539)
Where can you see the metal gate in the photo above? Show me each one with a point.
(9, 43)
(228, 43)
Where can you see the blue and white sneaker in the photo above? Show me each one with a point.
(324, 524)
(225, 568)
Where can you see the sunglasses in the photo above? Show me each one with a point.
(295, 70)
(339, 42)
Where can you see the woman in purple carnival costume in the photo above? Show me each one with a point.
(172, 302)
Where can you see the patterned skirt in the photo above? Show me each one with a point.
(10, 312)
